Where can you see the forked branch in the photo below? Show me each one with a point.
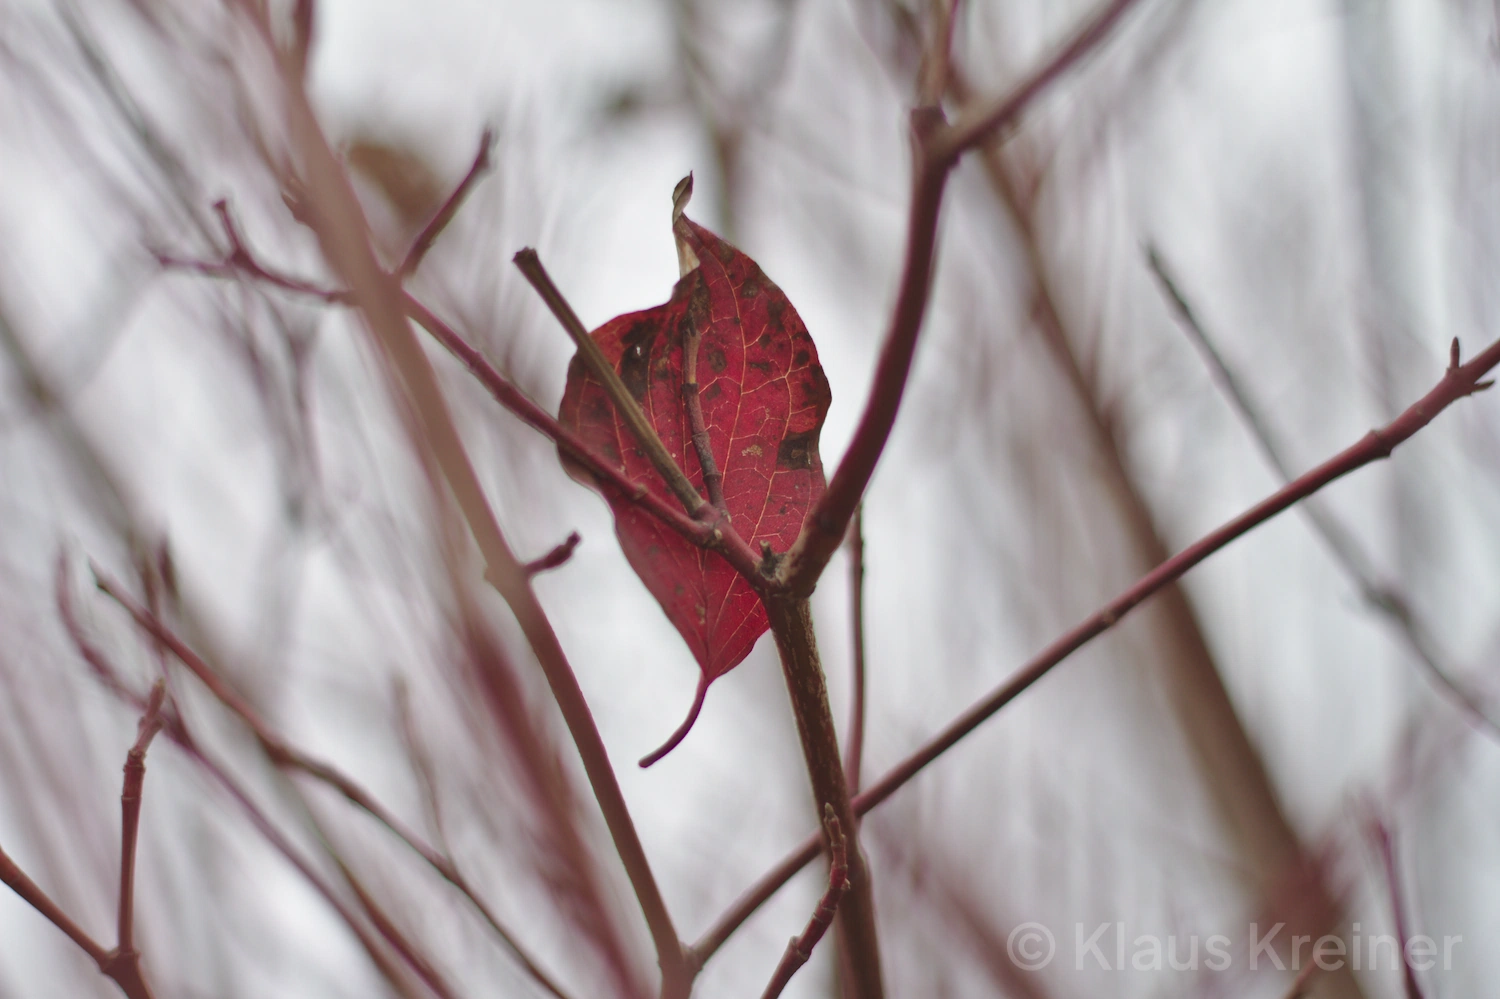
(938, 147)
(123, 963)
(439, 222)
(1340, 541)
(1459, 381)
(529, 264)
(801, 947)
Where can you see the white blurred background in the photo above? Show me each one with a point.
(1319, 177)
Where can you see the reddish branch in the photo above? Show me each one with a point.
(288, 757)
(1458, 382)
(556, 557)
(938, 148)
(439, 222)
(1346, 550)
(702, 533)
(130, 821)
(176, 729)
(529, 264)
(240, 262)
(976, 125)
(123, 963)
(829, 519)
(807, 686)
(378, 295)
(18, 882)
(800, 948)
(344, 236)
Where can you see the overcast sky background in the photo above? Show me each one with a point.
(1322, 178)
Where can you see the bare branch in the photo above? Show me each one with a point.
(288, 757)
(800, 948)
(1458, 382)
(938, 147)
(791, 624)
(130, 809)
(826, 523)
(976, 125)
(18, 882)
(1340, 541)
(530, 264)
(449, 209)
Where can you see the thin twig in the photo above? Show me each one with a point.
(823, 531)
(1384, 842)
(727, 542)
(18, 882)
(130, 812)
(239, 260)
(1340, 541)
(439, 222)
(713, 479)
(854, 750)
(344, 236)
(421, 762)
(123, 963)
(556, 557)
(282, 845)
(718, 536)
(692, 335)
(977, 124)
(389, 931)
(286, 756)
(529, 264)
(800, 948)
(176, 729)
(938, 147)
(1458, 382)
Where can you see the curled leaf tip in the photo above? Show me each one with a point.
(682, 730)
(681, 195)
(687, 260)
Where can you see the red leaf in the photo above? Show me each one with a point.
(764, 399)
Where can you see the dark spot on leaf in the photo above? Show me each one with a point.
(717, 360)
(724, 251)
(751, 287)
(712, 392)
(795, 451)
(764, 367)
(764, 341)
(802, 358)
(635, 362)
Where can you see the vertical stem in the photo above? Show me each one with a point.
(713, 479)
(791, 623)
(853, 754)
